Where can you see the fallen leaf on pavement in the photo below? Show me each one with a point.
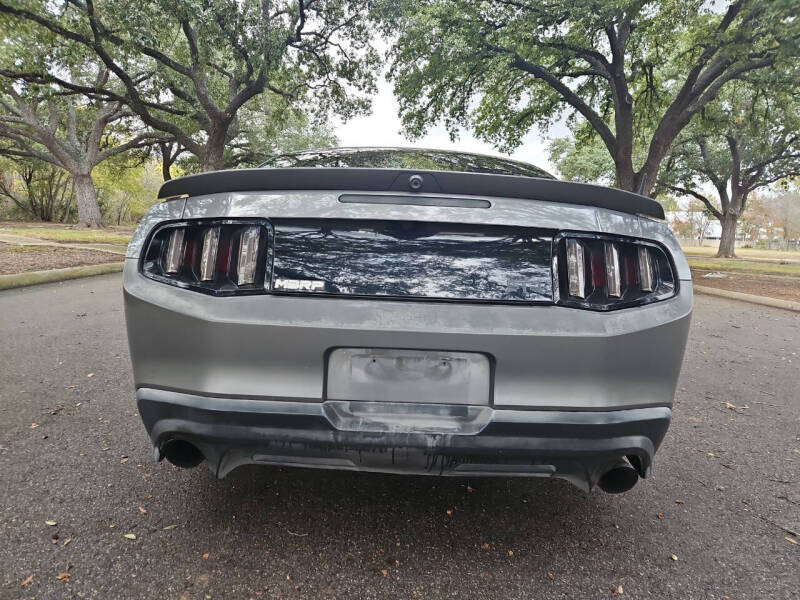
(384, 572)
(551, 576)
(123, 460)
(618, 590)
(730, 406)
(511, 553)
(90, 375)
(129, 536)
(51, 523)
(206, 555)
(28, 580)
(66, 541)
(485, 545)
(660, 515)
(33, 426)
(63, 576)
(678, 501)
(791, 540)
(143, 510)
(168, 527)
(449, 512)
(673, 557)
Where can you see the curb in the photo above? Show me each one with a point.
(751, 298)
(16, 280)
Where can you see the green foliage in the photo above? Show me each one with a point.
(126, 188)
(585, 161)
(187, 67)
(633, 71)
(747, 139)
(33, 189)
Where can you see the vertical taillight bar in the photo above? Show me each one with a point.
(174, 251)
(645, 270)
(613, 281)
(576, 269)
(208, 257)
(248, 255)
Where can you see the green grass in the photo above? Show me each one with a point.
(744, 266)
(79, 236)
(28, 249)
(711, 250)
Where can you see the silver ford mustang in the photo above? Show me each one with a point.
(407, 311)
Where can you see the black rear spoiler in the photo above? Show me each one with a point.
(398, 180)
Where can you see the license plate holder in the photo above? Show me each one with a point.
(409, 376)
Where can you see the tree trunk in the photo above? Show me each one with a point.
(165, 168)
(727, 241)
(213, 157)
(86, 197)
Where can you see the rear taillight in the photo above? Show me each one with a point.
(601, 272)
(220, 257)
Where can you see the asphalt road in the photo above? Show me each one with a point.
(725, 490)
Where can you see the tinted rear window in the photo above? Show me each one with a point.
(407, 158)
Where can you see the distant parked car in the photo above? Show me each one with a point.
(407, 311)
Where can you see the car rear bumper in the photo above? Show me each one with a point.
(265, 346)
(579, 446)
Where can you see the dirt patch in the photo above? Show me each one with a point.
(772, 286)
(22, 259)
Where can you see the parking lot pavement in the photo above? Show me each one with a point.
(715, 521)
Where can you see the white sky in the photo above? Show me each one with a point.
(383, 128)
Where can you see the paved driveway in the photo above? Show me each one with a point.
(72, 450)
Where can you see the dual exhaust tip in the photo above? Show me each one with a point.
(180, 453)
(618, 479)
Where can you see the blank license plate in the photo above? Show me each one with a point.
(425, 376)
